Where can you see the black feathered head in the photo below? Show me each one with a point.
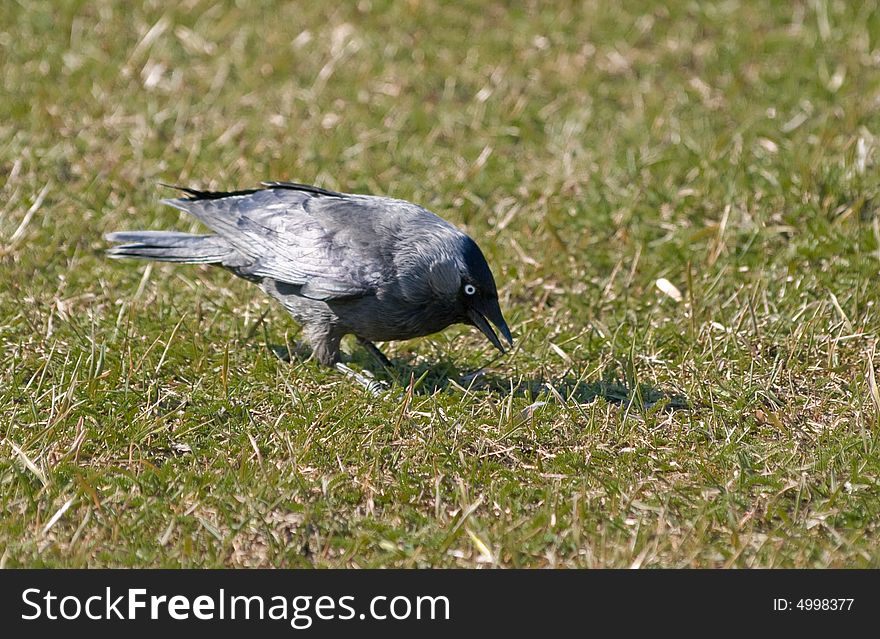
(478, 295)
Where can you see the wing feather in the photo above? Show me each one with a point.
(331, 245)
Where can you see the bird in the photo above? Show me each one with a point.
(380, 268)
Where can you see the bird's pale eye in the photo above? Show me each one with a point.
(469, 289)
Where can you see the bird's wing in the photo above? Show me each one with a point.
(329, 244)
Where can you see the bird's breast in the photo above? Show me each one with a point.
(391, 317)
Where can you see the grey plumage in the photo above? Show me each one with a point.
(376, 267)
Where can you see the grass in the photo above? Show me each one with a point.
(593, 149)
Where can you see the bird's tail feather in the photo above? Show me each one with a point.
(169, 246)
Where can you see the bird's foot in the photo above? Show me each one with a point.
(470, 378)
(291, 351)
(374, 387)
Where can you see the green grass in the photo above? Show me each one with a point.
(591, 149)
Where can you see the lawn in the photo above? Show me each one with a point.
(681, 205)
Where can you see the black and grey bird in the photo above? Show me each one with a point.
(379, 268)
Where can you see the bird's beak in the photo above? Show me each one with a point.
(480, 319)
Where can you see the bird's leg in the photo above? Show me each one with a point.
(373, 387)
(325, 349)
(375, 352)
(325, 344)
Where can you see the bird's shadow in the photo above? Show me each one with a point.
(428, 378)
(444, 377)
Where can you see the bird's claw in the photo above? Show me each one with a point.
(469, 378)
(374, 387)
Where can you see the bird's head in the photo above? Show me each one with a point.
(476, 295)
